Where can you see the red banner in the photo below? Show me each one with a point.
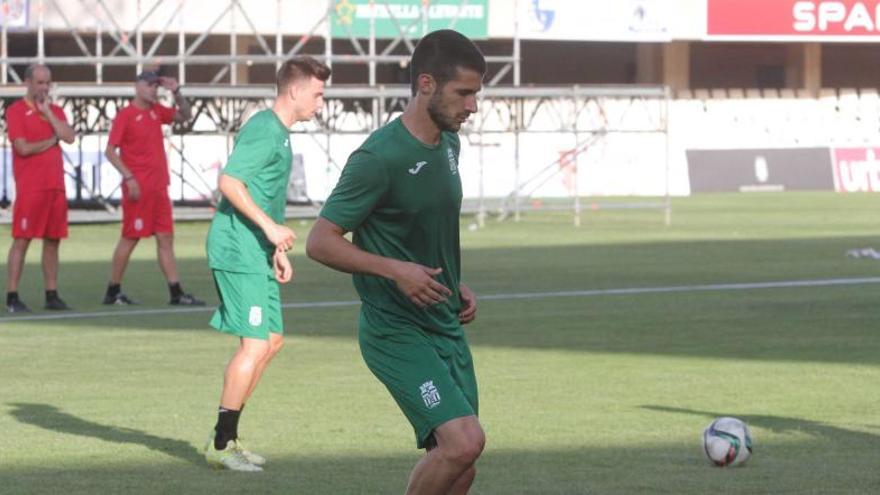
(793, 19)
(856, 169)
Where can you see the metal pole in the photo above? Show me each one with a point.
(181, 45)
(233, 48)
(328, 39)
(517, 105)
(139, 39)
(481, 208)
(41, 45)
(667, 218)
(99, 51)
(3, 42)
(576, 157)
(278, 45)
(516, 45)
(372, 42)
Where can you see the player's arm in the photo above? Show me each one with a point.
(235, 191)
(327, 244)
(134, 189)
(184, 111)
(59, 126)
(25, 148)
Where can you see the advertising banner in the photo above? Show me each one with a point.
(595, 20)
(856, 169)
(760, 170)
(415, 18)
(794, 20)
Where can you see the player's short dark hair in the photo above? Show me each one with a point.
(300, 67)
(441, 53)
(29, 70)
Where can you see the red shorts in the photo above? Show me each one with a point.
(40, 215)
(150, 214)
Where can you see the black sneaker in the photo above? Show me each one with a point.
(17, 306)
(119, 299)
(186, 300)
(56, 304)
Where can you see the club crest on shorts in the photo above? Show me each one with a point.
(138, 224)
(255, 317)
(430, 394)
(24, 223)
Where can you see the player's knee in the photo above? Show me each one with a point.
(466, 450)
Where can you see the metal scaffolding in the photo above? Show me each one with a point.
(510, 113)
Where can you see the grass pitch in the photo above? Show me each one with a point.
(601, 393)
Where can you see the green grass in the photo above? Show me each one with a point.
(600, 394)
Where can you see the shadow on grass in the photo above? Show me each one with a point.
(649, 469)
(783, 425)
(51, 418)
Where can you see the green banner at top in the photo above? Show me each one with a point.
(413, 18)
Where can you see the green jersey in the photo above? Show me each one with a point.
(402, 200)
(261, 159)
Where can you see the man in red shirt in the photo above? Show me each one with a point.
(146, 208)
(35, 128)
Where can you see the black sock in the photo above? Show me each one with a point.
(175, 290)
(226, 428)
(51, 295)
(11, 297)
(113, 290)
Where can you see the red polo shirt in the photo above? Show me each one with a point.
(138, 134)
(42, 171)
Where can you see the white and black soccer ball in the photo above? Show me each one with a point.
(727, 442)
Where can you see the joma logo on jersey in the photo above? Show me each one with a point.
(417, 168)
(453, 166)
(430, 394)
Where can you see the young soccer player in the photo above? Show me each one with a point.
(246, 246)
(400, 193)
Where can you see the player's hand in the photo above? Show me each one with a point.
(43, 106)
(168, 83)
(283, 267)
(469, 304)
(418, 284)
(134, 189)
(281, 236)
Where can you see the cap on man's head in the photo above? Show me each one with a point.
(150, 76)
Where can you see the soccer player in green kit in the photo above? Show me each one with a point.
(246, 247)
(400, 194)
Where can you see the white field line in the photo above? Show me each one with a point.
(784, 284)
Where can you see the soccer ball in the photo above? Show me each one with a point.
(727, 442)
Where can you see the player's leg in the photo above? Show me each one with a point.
(51, 248)
(165, 255)
(162, 225)
(121, 255)
(55, 230)
(449, 467)
(276, 342)
(407, 361)
(275, 323)
(15, 266)
(243, 299)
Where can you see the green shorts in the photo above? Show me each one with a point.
(429, 375)
(250, 304)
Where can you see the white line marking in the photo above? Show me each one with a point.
(785, 284)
